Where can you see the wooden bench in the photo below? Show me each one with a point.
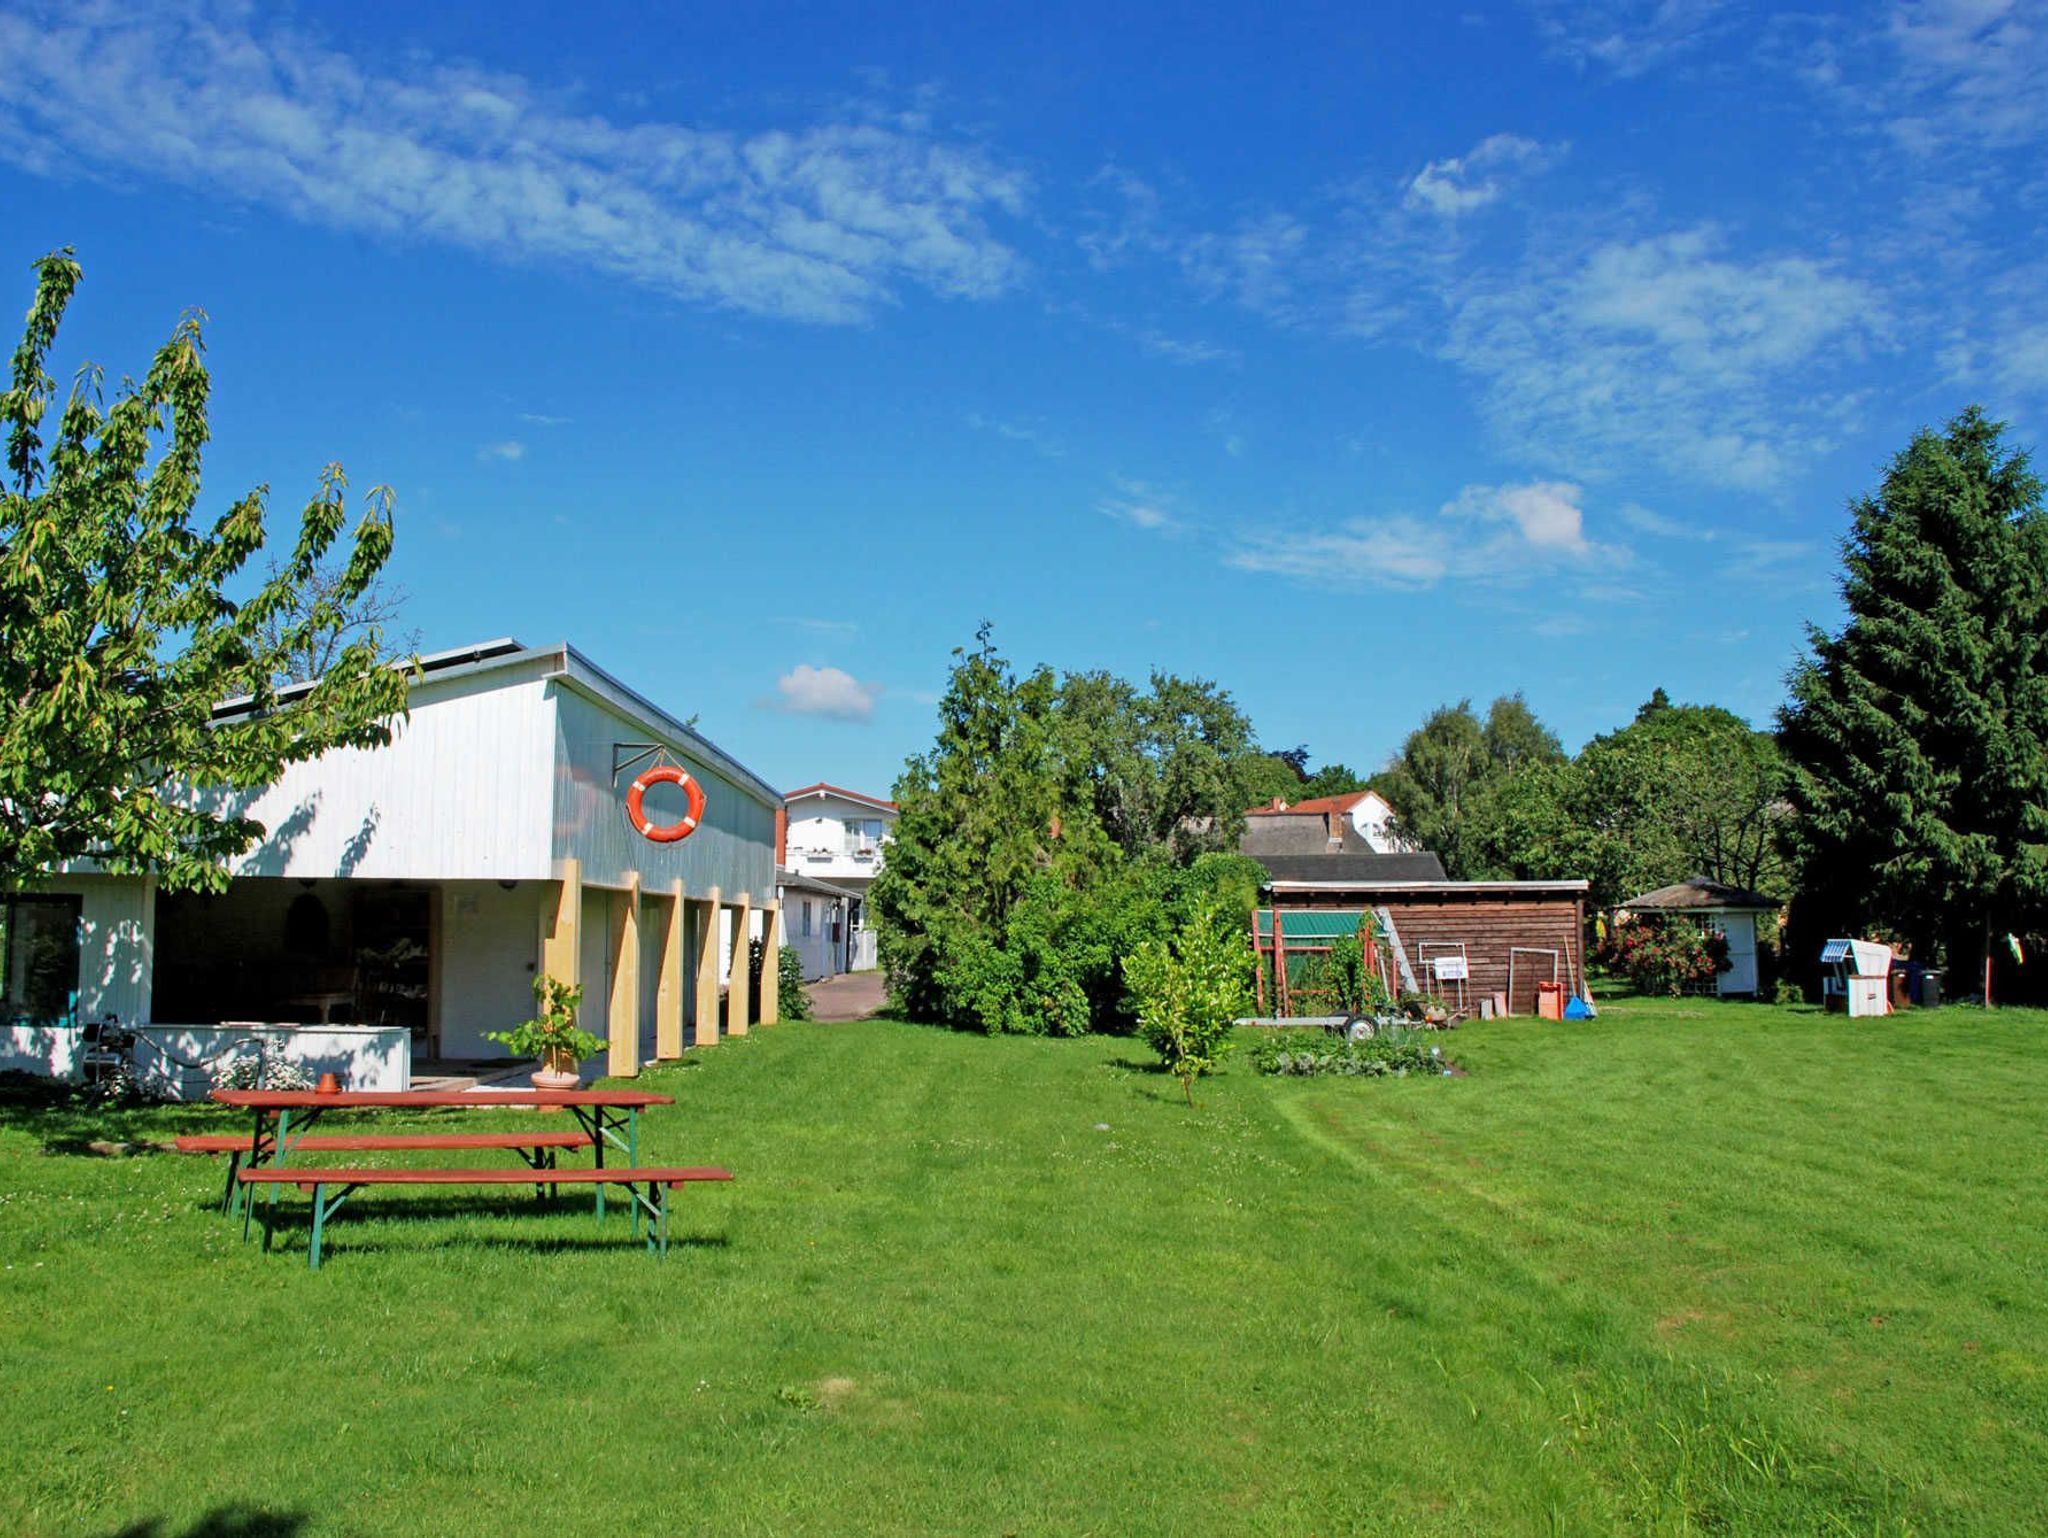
(538, 1149)
(659, 1182)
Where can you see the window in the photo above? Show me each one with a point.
(39, 959)
(807, 919)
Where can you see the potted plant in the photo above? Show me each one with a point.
(552, 1035)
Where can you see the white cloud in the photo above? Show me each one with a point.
(510, 451)
(1462, 183)
(1649, 521)
(822, 222)
(1139, 505)
(838, 627)
(1668, 347)
(1544, 513)
(1975, 67)
(1496, 536)
(1628, 37)
(830, 692)
(1181, 350)
(542, 419)
(1036, 438)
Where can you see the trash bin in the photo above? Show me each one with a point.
(1930, 989)
(1902, 989)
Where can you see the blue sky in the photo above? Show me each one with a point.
(1358, 362)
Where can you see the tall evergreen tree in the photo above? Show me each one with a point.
(1919, 734)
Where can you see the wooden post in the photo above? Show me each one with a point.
(739, 993)
(771, 963)
(624, 1006)
(561, 937)
(1258, 962)
(1281, 997)
(668, 994)
(705, 1032)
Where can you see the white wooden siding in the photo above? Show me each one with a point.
(116, 943)
(461, 792)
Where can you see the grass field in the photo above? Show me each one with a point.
(1707, 1268)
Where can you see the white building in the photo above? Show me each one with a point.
(1718, 908)
(404, 897)
(838, 838)
(1367, 815)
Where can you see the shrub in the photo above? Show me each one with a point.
(1665, 955)
(792, 998)
(1189, 992)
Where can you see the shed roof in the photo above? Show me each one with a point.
(796, 881)
(1381, 890)
(1697, 894)
(1350, 869)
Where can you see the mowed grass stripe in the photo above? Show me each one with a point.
(1619, 1279)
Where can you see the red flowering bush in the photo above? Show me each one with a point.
(1665, 955)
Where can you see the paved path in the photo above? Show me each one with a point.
(849, 996)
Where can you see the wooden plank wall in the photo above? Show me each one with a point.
(1490, 925)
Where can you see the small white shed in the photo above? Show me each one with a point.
(1732, 911)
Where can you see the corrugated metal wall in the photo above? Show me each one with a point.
(734, 849)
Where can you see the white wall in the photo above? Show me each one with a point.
(816, 841)
(180, 1061)
(461, 792)
(50, 1052)
(116, 943)
(1373, 817)
(489, 948)
(820, 956)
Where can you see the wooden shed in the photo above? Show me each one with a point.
(1465, 940)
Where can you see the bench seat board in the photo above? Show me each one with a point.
(370, 1142)
(300, 1175)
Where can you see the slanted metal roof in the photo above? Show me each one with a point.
(1311, 923)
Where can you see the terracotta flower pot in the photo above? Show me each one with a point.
(557, 1071)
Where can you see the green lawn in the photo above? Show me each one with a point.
(1708, 1268)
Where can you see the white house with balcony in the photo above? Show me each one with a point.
(831, 849)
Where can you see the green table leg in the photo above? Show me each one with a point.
(633, 1155)
(277, 1157)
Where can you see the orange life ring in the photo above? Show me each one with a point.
(636, 811)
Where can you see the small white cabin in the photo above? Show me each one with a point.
(1727, 910)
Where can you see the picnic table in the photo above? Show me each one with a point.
(283, 1119)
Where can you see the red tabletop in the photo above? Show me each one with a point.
(365, 1099)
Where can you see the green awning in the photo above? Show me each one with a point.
(1311, 925)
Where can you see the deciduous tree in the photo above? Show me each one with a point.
(119, 634)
